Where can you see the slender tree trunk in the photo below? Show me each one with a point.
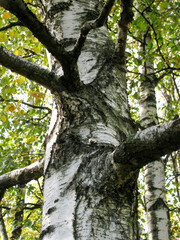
(82, 194)
(155, 197)
(2, 227)
(3, 231)
(18, 218)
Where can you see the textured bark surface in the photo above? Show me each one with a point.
(155, 196)
(82, 195)
(93, 153)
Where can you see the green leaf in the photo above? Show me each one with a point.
(160, 65)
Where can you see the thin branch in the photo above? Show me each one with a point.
(137, 73)
(37, 119)
(148, 7)
(155, 34)
(27, 104)
(13, 24)
(135, 38)
(22, 175)
(165, 69)
(34, 206)
(168, 69)
(148, 145)
(28, 69)
(88, 26)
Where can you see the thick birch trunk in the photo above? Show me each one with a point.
(155, 197)
(83, 198)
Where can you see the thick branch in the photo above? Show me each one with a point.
(97, 23)
(40, 31)
(123, 24)
(22, 175)
(148, 145)
(27, 69)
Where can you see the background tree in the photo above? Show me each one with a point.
(91, 113)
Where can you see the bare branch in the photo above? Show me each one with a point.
(27, 104)
(88, 26)
(22, 175)
(28, 69)
(148, 145)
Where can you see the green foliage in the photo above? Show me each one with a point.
(22, 127)
(161, 20)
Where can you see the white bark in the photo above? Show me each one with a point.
(155, 196)
(85, 195)
(82, 199)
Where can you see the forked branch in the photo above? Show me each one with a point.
(39, 30)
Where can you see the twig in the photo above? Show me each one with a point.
(135, 38)
(148, 7)
(27, 104)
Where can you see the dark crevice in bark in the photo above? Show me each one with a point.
(50, 210)
(47, 231)
(56, 8)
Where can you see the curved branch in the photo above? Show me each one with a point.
(148, 145)
(28, 69)
(22, 175)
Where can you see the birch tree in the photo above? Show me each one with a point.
(93, 148)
